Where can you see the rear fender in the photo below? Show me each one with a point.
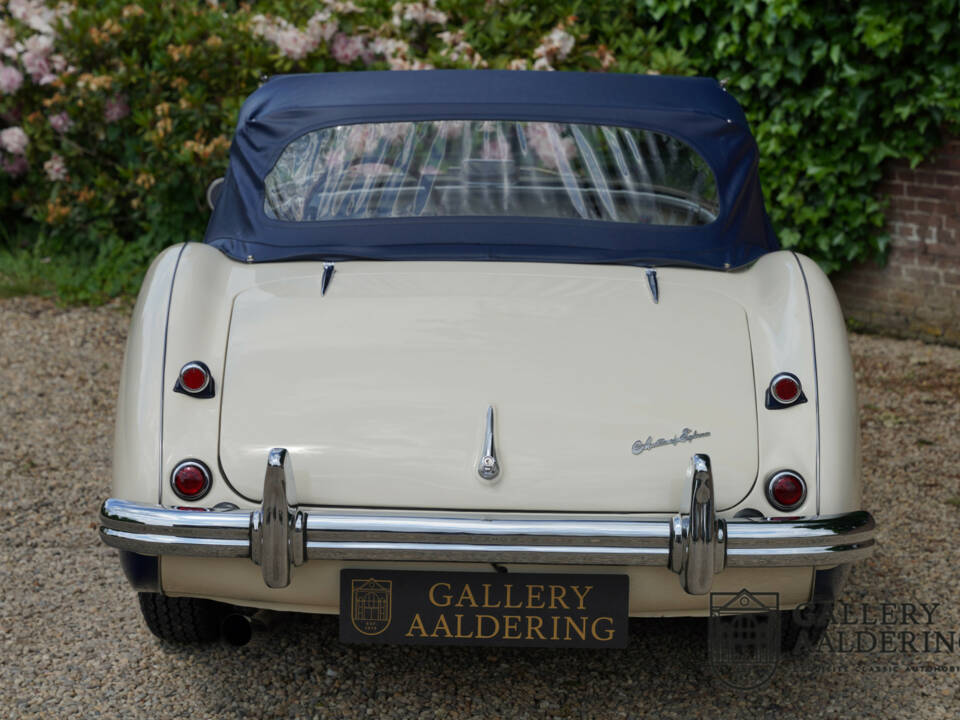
(136, 445)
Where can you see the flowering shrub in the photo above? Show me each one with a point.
(114, 116)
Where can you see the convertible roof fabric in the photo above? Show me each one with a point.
(695, 110)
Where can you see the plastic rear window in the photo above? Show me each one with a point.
(454, 168)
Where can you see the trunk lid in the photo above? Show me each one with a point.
(380, 388)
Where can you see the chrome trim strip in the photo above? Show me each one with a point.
(448, 552)
(123, 515)
(492, 532)
(816, 375)
(149, 544)
(814, 541)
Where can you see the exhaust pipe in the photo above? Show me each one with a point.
(237, 629)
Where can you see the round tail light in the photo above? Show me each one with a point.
(786, 490)
(190, 480)
(194, 377)
(785, 388)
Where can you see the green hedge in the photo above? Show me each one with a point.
(127, 109)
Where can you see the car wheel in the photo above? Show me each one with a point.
(802, 629)
(182, 619)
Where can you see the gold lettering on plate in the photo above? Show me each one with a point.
(466, 597)
(486, 597)
(514, 627)
(506, 603)
(582, 596)
(530, 597)
(433, 598)
(373, 599)
(557, 593)
(496, 627)
(417, 624)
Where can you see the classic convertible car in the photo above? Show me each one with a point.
(485, 357)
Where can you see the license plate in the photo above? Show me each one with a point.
(458, 608)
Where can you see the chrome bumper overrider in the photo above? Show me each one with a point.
(280, 535)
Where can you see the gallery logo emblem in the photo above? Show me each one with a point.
(744, 642)
(371, 602)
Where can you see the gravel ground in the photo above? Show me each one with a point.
(73, 643)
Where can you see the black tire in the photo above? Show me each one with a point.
(182, 619)
(802, 629)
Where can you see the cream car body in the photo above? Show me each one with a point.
(770, 317)
(381, 380)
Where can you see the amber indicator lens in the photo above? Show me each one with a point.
(787, 490)
(191, 480)
(785, 389)
(194, 378)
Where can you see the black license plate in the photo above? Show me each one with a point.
(459, 608)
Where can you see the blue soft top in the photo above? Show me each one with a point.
(695, 110)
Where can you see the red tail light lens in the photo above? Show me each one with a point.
(785, 389)
(190, 480)
(194, 377)
(786, 490)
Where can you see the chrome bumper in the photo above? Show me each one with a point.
(280, 535)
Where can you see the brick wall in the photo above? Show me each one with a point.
(917, 293)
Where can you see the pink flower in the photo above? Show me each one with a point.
(294, 44)
(55, 168)
(556, 45)
(6, 36)
(418, 12)
(116, 109)
(10, 79)
(37, 65)
(61, 122)
(14, 140)
(39, 45)
(321, 27)
(14, 166)
(345, 49)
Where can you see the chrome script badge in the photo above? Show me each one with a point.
(686, 435)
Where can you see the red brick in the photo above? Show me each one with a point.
(932, 192)
(924, 175)
(923, 275)
(917, 293)
(899, 205)
(948, 178)
(951, 278)
(930, 206)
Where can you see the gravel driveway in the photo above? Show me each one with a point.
(73, 643)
